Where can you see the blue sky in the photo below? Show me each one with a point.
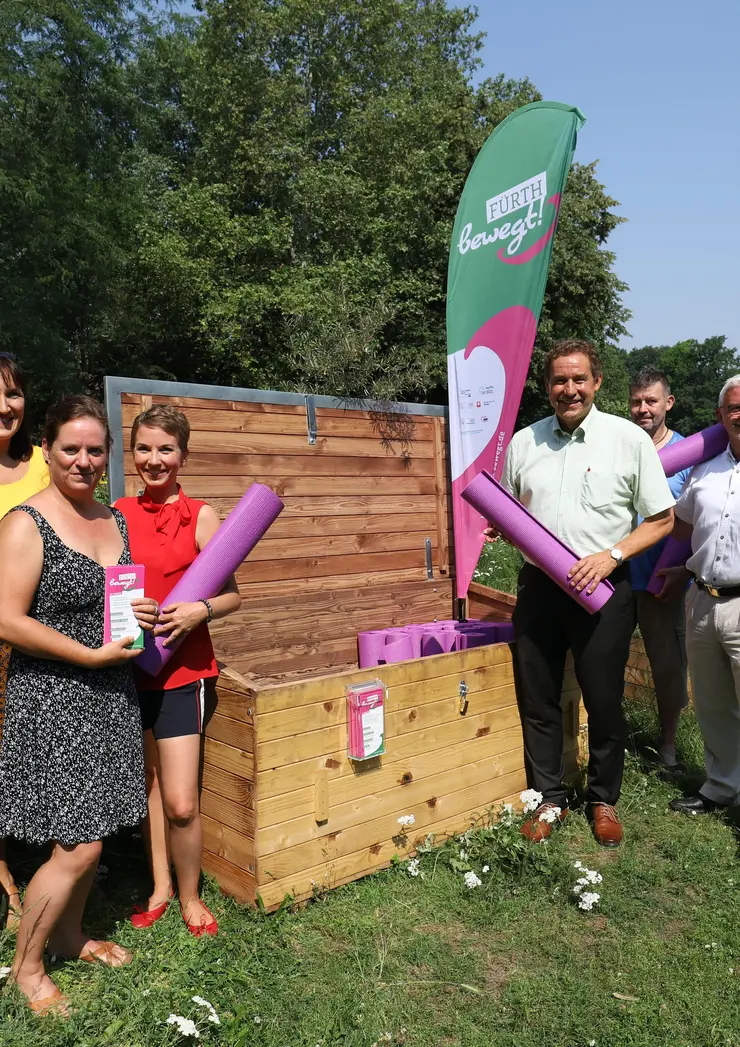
(659, 83)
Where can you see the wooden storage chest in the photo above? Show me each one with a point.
(364, 542)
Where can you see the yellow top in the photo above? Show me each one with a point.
(36, 478)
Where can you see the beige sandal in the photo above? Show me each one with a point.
(57, 1006)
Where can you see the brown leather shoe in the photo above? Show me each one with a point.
(606, 825)
(536, 830)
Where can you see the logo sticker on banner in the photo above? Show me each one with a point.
(499, 257)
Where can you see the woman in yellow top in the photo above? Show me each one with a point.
(23, 473)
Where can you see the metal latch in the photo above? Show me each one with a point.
(428, 554)
(311, 418)
(463, 692)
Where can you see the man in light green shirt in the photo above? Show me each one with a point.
(586, 476)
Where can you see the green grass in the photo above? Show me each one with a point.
(499, 566)
(427, 962)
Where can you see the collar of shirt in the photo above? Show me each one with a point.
(580, 431)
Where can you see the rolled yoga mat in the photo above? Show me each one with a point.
(398, 650)
(247, 522)
(694, 449)
(438, 641)
(537, 543)
(674, 554)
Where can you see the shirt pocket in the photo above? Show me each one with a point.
(598, 491)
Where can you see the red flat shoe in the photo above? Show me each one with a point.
(197, 929)
(144, 918)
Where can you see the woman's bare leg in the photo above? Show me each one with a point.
(179, 760)
(155, 828)
(47, 896)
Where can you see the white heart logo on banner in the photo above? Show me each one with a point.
(477, 390)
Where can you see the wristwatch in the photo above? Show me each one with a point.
(616, 554)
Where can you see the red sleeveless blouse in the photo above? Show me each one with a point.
(162, 538)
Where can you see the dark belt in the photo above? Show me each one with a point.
(719, 594)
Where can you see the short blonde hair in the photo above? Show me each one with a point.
(172, 421)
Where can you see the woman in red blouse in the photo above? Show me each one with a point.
(167, 530)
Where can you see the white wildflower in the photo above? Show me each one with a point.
(471, 880)
(463, 855)
(185, 1026)
(146, 992)
(550, 814)
(257, 1020)
(592, 1043)
(212, 1016)
(486, 868)
(579, 864)
(413, 868)
(531, 800)
(406, 820)
(4, 972)
(587, 900)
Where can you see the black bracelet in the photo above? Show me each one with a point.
(210, 611)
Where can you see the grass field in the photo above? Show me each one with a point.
(425, 961)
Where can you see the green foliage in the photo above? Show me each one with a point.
(696, 370)
(259, 195)
(499, 566)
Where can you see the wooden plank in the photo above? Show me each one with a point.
(340, 544)
(352, 424)
(235, 733)
(337, 583)
(349, 783)
(281, 443)
(225, 783)
(320, 745)
(221, 809)
(312, 615)
(214, 464)
(322, 656)
(376, 814)
(232, 881)
(321, 798)
(325, 877)
(227, 843)
(290, 695)
(253, 571)
(489, 604)
(408, 704)
(262, 407)
(205, 487)
(371, 523)
(235, 760)
(338, 505)
(235, 706)
(479, 791)
(440, 484)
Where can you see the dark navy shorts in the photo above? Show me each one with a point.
(174, 713)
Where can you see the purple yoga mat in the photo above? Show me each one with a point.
(247, 522)
(537, 543)
(438, 641)
(398, 650)
(694, 449)
(674, 554)
(369, 646)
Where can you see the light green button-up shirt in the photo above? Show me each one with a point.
(587, 487)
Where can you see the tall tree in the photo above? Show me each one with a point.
(67, 127)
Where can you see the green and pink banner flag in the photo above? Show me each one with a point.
(499, 257)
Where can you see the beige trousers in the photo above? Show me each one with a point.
(713, 648)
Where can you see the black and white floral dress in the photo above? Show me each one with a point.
(71, 760)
